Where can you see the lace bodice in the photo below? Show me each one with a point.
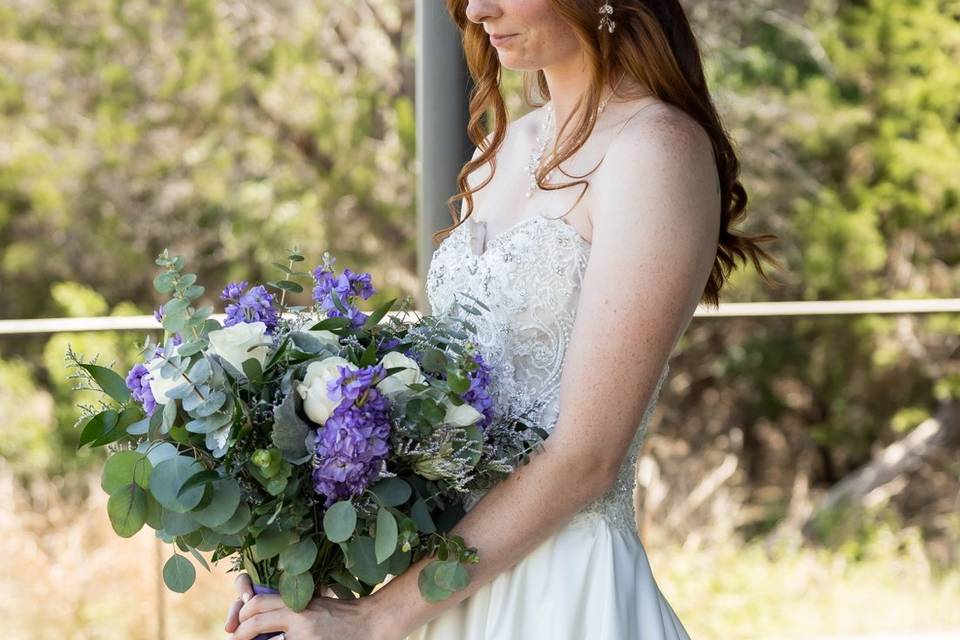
(529, 276)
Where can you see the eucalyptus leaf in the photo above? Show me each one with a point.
(365, 565)
(237, 522)
(179, 524)
(199, 558)
(223, 504)
(271, 542)
(123, 468)
(296, 590)
(179, 574)
(421, 516)
(339, 521)
(127, 510)
(169, 416)
(299, 557)
(347, 579)
(168, 478)
(164, 282)
(386, 540)
(200, 371)
(392, 491)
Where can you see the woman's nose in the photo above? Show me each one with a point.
(479, 11)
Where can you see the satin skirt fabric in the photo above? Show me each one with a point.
(588, 581)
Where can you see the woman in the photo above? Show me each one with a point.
(628, 249)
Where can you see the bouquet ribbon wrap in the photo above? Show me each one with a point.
(259, 589)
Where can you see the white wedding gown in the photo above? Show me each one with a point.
(591, 580)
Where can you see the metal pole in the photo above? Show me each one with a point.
(442, 113)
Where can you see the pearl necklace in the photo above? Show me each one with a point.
(542, 138)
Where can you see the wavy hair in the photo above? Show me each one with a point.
(653, 43)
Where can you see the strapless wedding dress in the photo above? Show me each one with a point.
(591, 580)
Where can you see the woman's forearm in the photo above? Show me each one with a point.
(508, 523)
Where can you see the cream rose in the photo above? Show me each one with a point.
(462, 415)
(235, 344)
(316, 403)
(397, 383)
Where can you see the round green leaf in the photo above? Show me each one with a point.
(296, 590)
(392, 491)
(179, 574)
(299, 557)
(429, 589)
(237, 522)
(124, 468)
(420, 513)
(451, 575)
(168, 478)
(179, 524)
(127, 510)
(223, 504)
(339, 521)
(365, 565)
(386, 542)
(272, 541)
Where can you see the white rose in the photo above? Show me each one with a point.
(235, 343)
(160, 386)
(462, 415)
(316, 403)
(397, 383)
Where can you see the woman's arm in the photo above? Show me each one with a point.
(655, 236)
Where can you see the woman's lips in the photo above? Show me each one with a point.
(497, 40)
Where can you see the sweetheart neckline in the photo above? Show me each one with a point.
(492, 242)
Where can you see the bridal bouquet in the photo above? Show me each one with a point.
(316, 446)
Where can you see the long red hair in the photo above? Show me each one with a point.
(654, 44)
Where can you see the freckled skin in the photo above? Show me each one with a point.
(652, 215)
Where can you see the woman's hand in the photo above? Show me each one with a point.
(323, 619)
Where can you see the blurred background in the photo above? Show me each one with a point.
(800, 478)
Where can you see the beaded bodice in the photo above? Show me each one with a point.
(529, 277)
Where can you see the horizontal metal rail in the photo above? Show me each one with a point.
(726, 310)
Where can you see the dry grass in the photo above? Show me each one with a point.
(69, 577)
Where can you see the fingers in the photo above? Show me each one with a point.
(233, 620)
(260, 604)
(271, 622)
(243, 586)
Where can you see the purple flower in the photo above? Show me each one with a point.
(350, 446)
(347, 286)
(478, 395)
(233, 290)
(139, 387)
(255, 305)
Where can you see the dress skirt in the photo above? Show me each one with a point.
(588, 581)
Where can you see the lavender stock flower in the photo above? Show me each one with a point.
(139, 387)
(347, 286)
(478, 395)
(255, 305)
(352, 443)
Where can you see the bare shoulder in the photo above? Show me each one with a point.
(666, 133)
(662, 155)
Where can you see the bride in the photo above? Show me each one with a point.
(589, 285)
